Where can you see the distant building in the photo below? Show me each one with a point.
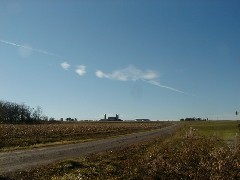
(116, 118)
(142, 120)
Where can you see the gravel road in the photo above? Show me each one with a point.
(26, 159)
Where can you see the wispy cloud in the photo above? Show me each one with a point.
(132, 73)
(81, 70)
(100, 74)
(65, 65)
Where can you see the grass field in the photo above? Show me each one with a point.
(198, 151)
(226, 130)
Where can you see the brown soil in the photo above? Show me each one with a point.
(27, 159)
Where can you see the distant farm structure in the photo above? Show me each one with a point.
(115, 118)
(142, 120)
(194, 119)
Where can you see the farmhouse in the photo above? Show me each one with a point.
(116, 118)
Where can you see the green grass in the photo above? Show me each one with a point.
(223, 129)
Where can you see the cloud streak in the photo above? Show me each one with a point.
(29, 48)
(132, 73)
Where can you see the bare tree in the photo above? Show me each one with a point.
(19, 113)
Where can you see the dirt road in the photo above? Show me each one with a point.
(26, 159)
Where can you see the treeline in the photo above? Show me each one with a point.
(13, 113)
(194, 119)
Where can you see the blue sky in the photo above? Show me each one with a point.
(162, 60)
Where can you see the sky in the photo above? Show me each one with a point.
(154, 59)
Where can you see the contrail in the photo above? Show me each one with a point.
(163, 86)
(29, 48)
